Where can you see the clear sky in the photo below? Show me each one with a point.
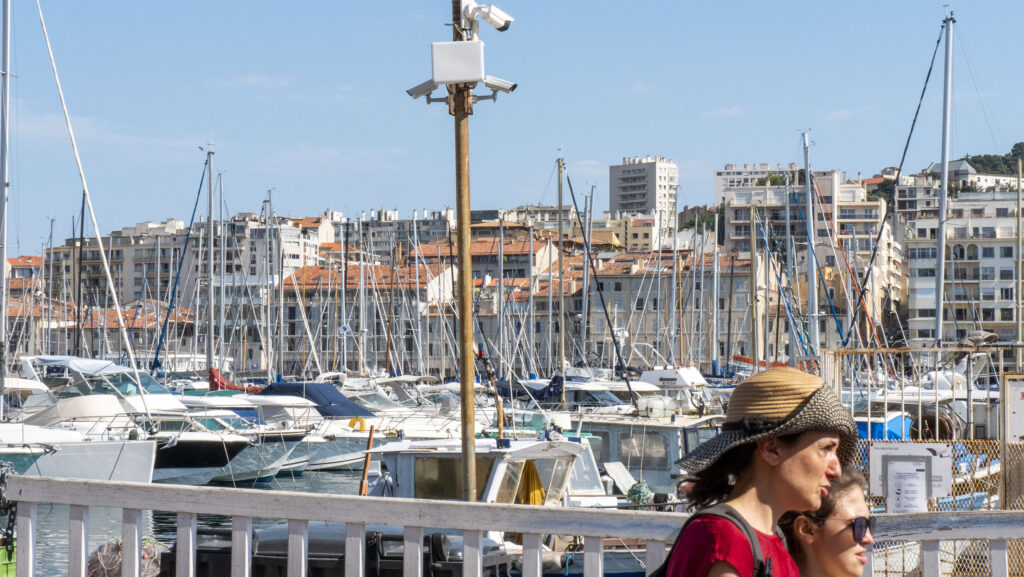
(308, 98)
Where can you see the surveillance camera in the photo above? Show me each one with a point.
(490, 13)
(422, 89)
(495, 83)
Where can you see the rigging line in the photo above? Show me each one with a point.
(981, 100)
(88, 199)
(821, 275)
(177, 274)
(891, 201)
(773, 266)
(834, 238)
(604, 306)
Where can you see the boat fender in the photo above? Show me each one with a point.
(357, 423)
(440, 547)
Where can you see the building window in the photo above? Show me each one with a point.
(988, 252)
(1006, 293)
(988, 315)
(1006, 314)
(1006, 251)
(640, 304)
(1006, 274)
(1000, 212)
(926, 313)
(618, 286)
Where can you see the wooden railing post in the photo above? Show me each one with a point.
(472, 554)
(185, 558)
(655, 555)
(355, 547)
(999, 554)
(131, 542)
(593, 557)
(26, 547)
(298, 547)
(78, 541)
(412, 551)
(531, 555)
(241, 546)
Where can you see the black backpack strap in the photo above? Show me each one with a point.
(762, 568)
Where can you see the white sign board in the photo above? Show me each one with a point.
(907, 483)
(940, 455)
(1014, 409)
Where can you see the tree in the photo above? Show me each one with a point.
(773, 180)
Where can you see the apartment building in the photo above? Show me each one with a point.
(981, 253)
(643, 185)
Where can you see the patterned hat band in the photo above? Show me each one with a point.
(753, 425)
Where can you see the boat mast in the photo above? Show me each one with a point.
(221, 347)
(753, 295)
(532, 350)
(1016, 292)
(714, 304)
(561, 278)
(501, 297)
(812, 257)
(209, 265)
(268, 339)
(5, 119)
(947, 96)
(789, 275)
(672, 281)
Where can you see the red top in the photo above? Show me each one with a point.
(709, 538)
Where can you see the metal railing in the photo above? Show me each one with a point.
(930, 530)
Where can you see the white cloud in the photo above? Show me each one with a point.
(841, 114)
(727, 111)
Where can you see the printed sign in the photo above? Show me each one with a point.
(940, 456)
(907, 483)
(1014, 408)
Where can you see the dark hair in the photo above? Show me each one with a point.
(716, 482)
(852, 478)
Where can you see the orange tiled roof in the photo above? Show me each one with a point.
(25, 261)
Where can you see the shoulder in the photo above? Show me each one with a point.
(774, 548)
(709, 539)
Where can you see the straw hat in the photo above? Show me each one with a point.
(774, 403)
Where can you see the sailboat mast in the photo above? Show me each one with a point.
(268, 338)
(714, 303)
(812, 258)
(209, 265)
(561, 279)
(672, 281)
(789, 274)
(947, 97)
(223, 263)
(5, 137)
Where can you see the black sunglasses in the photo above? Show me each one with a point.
(860, 527)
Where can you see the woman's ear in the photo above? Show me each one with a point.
(769, 449)
(803, 529)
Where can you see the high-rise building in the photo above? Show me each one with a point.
(643, 184)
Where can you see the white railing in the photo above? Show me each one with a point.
(657, 529)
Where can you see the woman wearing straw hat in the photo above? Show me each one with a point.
(783, 441)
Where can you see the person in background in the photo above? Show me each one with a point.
(782, 444)
(834, 540)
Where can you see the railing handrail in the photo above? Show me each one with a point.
(313, 507)
(474, 519)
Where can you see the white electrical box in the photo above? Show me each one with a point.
(457, 62)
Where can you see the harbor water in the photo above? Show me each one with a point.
(105, 523)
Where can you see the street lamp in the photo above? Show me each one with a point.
(459, 65)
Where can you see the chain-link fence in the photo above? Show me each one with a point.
(982, 475)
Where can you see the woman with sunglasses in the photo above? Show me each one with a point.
(833, 541)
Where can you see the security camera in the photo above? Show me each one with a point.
(495, 83)
(490, 13)
(422, 89)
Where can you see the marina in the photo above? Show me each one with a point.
(273, 390)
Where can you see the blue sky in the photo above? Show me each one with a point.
(308, 98)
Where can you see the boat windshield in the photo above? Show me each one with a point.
(120, 384)
(597, 399)
(374, 402)
(224, 423)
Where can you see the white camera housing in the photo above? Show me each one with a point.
(495, 83)
(490, 14)
(422, 89)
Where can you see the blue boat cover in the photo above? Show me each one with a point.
(329, 400)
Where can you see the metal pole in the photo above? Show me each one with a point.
(753, 295)
(812, 258)
(532, 349)
(789, 275)
(209, 266)
(947, 96)
(221, 348)
(462, 107)
(714, 303)
(1017, 285)
(5, 119)
(561, 279)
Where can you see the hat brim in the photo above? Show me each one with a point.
(821, 412)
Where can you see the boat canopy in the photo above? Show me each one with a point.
(329, 400)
